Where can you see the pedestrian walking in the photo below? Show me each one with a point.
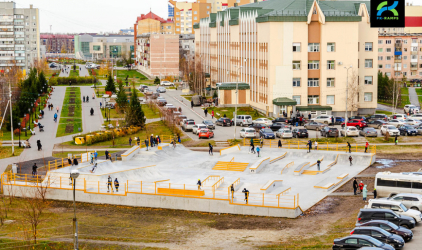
(178, 139)
(83, 98)
(92, 158)
(116, 185)
(95, 155)
(350, 147)
(319, 165)
(300, 121)
(366, 146)
(258, 149)
(316, 145)
(332, 120)
(309, 116)
(69, 161)
(350, 160)
(210, 150)
(232, 191)
(205, 112)
(375, 193)
(364, 193)
(361, 186)
(261, 141)
(130, 141)
(151, 140)
(109, 184)
(106, 154)
(246, 192)
(101, 105)
(199, 184)
(191, 104)
(355, 186)
(34, 170)
(75, 162)
(57, 108)
(212, 114)
(146, 143)
(279, 144)
(158, 139)
(309, 146)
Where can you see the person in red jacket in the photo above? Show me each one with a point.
(361, 186)
(366, 146)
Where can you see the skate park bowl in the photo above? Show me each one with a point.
(168, 177)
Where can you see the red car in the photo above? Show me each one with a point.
(356, 123)
(205, 133)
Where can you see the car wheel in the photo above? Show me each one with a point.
(379, 126)
(405, 226)
(241, 124)
(317, 129)
(415, 208)
(357, 127)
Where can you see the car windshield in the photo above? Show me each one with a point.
(403, 207)
(250, 130)
(287, 131)
(393, 226)
(267, 130)
(207, 122)
(370, 129)
(391, 127)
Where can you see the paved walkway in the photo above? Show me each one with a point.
(413, 97)
(83, 71)
(64, 74)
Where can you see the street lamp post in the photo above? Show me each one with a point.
(347, 96)
(19, 124)
(24, 115)
(109, 116)
(74, 174)
(235, 106)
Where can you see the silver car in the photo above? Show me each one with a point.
(419, 129)
(314, 125)
(368, 132)
(412, 201)
(284, 133)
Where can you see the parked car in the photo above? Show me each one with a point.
(412, 201)
(248, 133)
(357, 117)
(411, 121)
(359, 124)
(197, 127)
(407, 130)
(329, 132)
(257, 127)
(161, 102)
(390, 129)
(396, 122)
(390, 227)
(367, 214)
(398, 116)
(338, 120)
(143, 87)
(188, 125)
(416, 116)
(359, 241)
(284, 133)
(166, 83)
(223, 122)
(264, 121)
(278, 125)
(368, 132)
(300, 133)
(395, 206)
(314, 125)
(161, 90)
(376, 123)
(410, 108)
(280, 119)
(205, 133)
(375, 117)
(349, 131)
(242, 120)
(266, 133)
(419, 129)
(326, 119)
(380, 234)
(209, 124)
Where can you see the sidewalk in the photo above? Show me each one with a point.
(413, 97)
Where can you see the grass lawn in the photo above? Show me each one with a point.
(74, 73)
(114, 114)
(6, 152)
(383, 112)
(121, 74)
(219, 112)
(76, 120)
(147, 82)
(150, 113)
(61, 130)
(188, 97)
(419, 93)
(404, 97)
(7, 135)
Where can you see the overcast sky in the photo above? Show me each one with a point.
(76, 16)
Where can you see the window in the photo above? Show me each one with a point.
(387, 41)
(380, 66)
(404, 66)
(330, 99)
(352, 241)
(313, 47)
(195, 12)
(297, 99)
(313, 99)
(177, 29)
(404, 49)
(177, 13)
(414, 57)
(368, 46)
(296, 47)
(208, 12)
(208, 7)
(379, 49)
(177, 19)
(368, 63)
(313, 82)
(368, 80)
(388, 74)
(388, 50)
(195, 18)
(331, 47)
(296, 82)
(405, 57)
(388, 66)
(379, 58)
(177, 24)
(330, 82)
(296, 64)
(330, 64)
(367, 97)
(313, 64)
(405, 41)
(379, 41)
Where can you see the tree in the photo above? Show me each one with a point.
(110, 85)
(103, 70)
(121, 98)
(127, 60)
(135, 116)
(354, 87)
(64, 50)
(156, 80)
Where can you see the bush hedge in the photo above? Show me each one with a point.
(101, 136)
(72, 80)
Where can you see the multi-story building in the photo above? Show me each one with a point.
(294, 54)
(187, 45)
(97, 47)
(157, 54)
(151, 23)
(413, 22)
(400, 55)
(58, 43)
(129, 31)
(19, 36)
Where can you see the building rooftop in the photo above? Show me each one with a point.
(49, 36)
(151, 15)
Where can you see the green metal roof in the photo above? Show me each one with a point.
(313, 108)
(231, 86)
(284, 101)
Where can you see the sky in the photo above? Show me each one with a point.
(79, 16)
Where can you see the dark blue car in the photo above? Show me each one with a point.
(339, 120)
(266, 133)
(407, 130)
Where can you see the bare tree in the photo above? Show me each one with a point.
(354, 89)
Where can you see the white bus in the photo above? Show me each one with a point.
(388, 184)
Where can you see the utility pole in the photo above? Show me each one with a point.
(11, 118)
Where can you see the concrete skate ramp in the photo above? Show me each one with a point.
(358, 159)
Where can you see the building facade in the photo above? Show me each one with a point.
(58, 43)
(400, 56)
(157, 55)
(19, 36)
(98, 47)
(294, 50)
(187, 46)
(152, 23)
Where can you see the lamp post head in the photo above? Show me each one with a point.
(74, 173)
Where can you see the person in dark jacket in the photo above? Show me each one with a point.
(246, 192)
(309, 116)
(34, 170)
(116, 184)
(279, 144)
(350, 148)
(199, 184)
(146, 143)
(232, 191)
(319, 165)
(69, 161)
(309, 146)
(151, 140)
(106, 154)
(191, 104)
(375, 193)
(355, 186)
(210, 149)
(75, 162)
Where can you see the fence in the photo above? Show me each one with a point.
(10, 180)
(61, 163)
(273, 143)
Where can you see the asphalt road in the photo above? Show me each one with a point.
(416, 242)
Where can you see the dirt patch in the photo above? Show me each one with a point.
(70, 120)
(402, 155)
(71, 111)
(72, 93)
(348, 186)
(69, 128)
(394, 165)
(71, 100)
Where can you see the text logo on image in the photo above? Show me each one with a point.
(387, 13)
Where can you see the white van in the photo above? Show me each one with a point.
(395, 206)
(389, 184)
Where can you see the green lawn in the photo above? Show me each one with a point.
(76, 120)
(383, 112)
(219, 112)
(121, 74)
(404, 97)
(7, 135)
(61, 130)
(6, 152)
(419, 93)
(74, 73)
(150, 113)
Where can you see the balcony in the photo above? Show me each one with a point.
(413, 68)
(397, 45)
(397, 60)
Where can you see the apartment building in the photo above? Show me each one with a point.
(106, 46)
(157, 55)
(152, 23)
(19, 36)
(400, 55)
(293, 53)
(58, 43)
(187, 45)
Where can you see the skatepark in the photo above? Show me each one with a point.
(280, 183)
